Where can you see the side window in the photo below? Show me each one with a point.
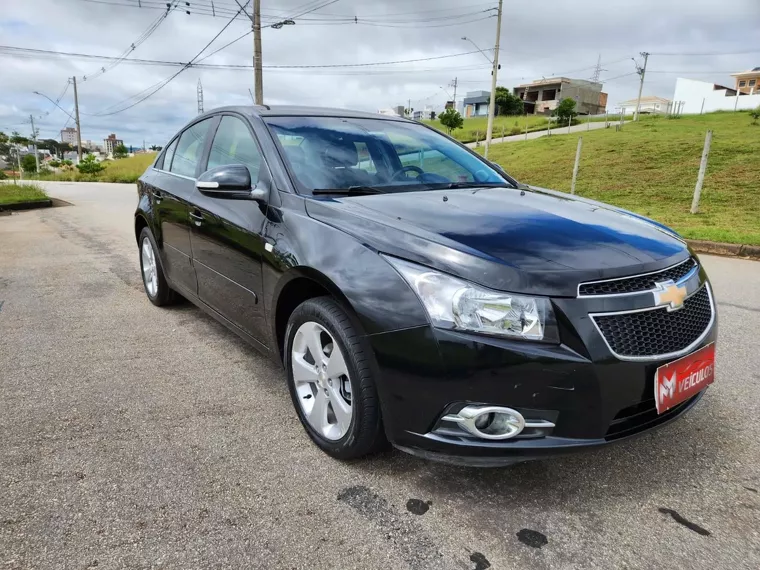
(234, 144)
(189, 149)
(166, 161)
(365, 159)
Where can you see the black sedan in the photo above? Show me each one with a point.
(417, 294)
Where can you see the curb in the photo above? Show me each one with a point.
(726, 249)
(27, 205)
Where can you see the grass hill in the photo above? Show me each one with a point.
(121, 170)
(651, 167)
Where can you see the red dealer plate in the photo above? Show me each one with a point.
(683, 378)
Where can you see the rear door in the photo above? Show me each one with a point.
(172, 196)
(227, 240)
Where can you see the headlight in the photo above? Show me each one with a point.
(452, 303)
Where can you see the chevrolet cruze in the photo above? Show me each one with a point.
(419, 295)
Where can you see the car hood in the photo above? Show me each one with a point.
(522, 240)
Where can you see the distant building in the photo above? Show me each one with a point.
(111, 143)
(703, 97)
(748, 81)
(424, 114)
(649, 105)
(400, 110)
(543, 96)
(475, 103)
(69, 135)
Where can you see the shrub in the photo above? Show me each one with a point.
(90, 165)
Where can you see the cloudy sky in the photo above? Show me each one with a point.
(553, 37)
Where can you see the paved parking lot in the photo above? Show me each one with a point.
(139, 437)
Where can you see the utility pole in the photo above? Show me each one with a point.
(259, 86)
(76, 115)
(642, 72)
(199, 92)
(34, 138)
(492, 101)
(454, 85)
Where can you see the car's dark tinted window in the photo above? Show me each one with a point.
(190, 148)
(233, 144)
(166, 160)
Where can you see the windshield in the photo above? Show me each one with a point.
(341, 153)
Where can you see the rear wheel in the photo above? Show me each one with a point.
(330, 380)
(155, 284)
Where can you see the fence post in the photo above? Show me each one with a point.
(477, 139)
(526, 126)
(702, 110)
(577, 162)
(588, 123)
(701, 177)
(569, 122)
(606, 116)
(502, 133)
(549, 126)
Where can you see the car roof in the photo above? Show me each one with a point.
(301, 111)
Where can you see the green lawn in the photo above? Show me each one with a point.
(651, 168)
(122, 170)
(11, 193)
(475, 127)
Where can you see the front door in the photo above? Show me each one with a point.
(227, 240)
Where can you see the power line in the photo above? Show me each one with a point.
(171, 78)
(14, 50)
(740, 52)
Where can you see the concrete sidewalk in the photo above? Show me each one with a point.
(555, 131)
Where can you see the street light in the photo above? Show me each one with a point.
(278, 25)
(465, 38)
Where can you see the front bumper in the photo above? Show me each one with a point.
(591, 397)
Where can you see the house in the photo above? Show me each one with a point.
(748, 81)
(475, 104)
(703, 97)
(424, 114)
(542, 96)
(649, 104)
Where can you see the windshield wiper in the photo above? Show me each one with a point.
(350, 191)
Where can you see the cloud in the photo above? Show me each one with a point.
(556, 38)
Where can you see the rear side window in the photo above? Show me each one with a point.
(166, 159)
(189, 149)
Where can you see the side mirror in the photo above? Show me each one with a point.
(498, 167)
(231, 181)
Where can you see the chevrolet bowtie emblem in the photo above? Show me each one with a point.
(670, 294)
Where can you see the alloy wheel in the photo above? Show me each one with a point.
(321, 381)
(149, 267)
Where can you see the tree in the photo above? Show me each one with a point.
(67, 162)
(120, 151)
(90, 165)
(5, 148)
(507, 103)
(55, 163)
(29, 163)
(565, 111)
(755, 114)
(451, 119)
(155, 147)
(18, 139)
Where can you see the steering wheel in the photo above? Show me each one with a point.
(405, 169)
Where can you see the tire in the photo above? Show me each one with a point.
(158, 291)
(364, 432)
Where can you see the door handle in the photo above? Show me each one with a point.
(197, 218)
(158, 196)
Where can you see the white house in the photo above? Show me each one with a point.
(700, 96)
(650, 104)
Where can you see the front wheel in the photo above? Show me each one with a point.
(330, 380)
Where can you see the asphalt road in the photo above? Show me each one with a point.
(139, 437)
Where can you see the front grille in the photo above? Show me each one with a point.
(657, 332)
(642, 416)
(636, 283)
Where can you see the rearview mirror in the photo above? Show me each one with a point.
(231, 181)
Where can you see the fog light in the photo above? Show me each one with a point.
(489, 422)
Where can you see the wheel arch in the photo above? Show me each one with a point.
(298, 285)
